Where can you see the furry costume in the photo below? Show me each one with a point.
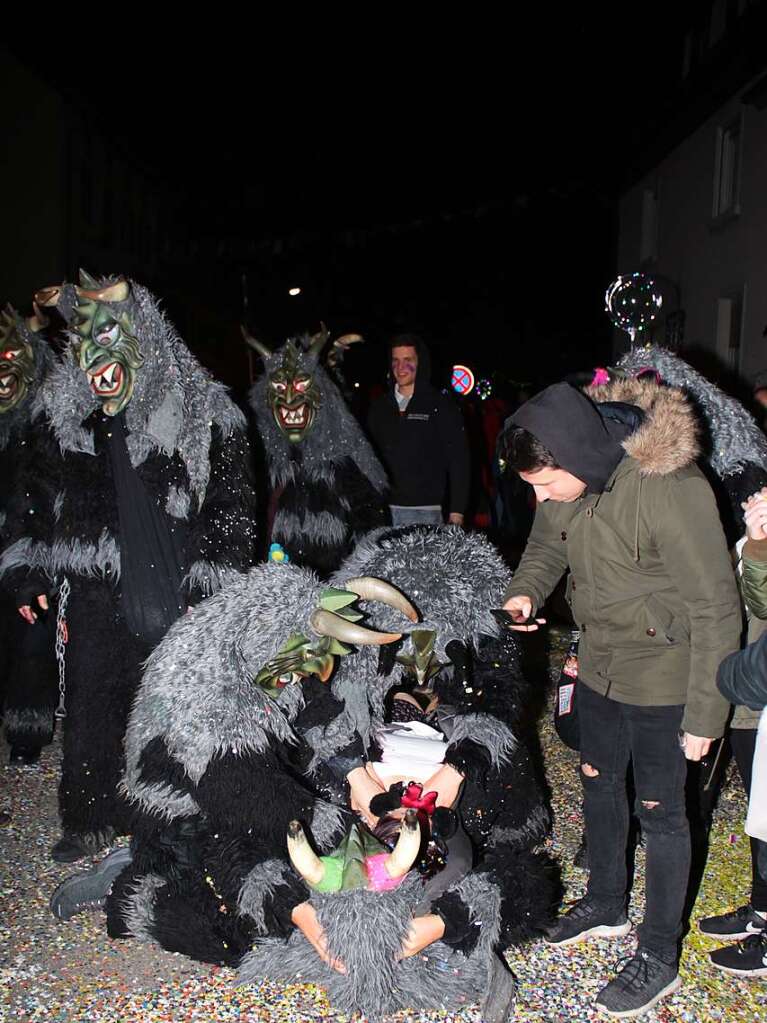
(734, 448)
(28, 669)
(328, 486)
(179, 442)
(453, 578)
(215, 790)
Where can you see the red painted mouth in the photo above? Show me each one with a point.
(293, 418)
(9, 384)
(107, 381)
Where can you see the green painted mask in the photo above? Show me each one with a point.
(17, 364)
(421, 659)
(107, 352)
(301, 656)
(293, 396)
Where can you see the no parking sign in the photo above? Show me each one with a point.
(462, 380)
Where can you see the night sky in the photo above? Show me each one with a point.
(457, 178)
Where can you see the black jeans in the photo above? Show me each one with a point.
(743, 742)
(612, 735)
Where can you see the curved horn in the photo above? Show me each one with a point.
(49, 296)
(303, 857)
(319, 340)
(38, 321)
(402, 857)
(347, 339)
(117, 292)
(86, 281)
(325, 623)
(257, 346)
(370, 588)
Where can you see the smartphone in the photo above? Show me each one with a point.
(506, 619)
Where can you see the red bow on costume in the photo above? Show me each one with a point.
(414, 798)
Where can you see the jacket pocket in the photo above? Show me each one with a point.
(667, 624)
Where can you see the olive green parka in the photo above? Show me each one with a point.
(651, 584)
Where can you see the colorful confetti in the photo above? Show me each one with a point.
(52, 972)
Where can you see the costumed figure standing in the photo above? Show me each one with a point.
(135, 500)
(28, 668)
(328, 487)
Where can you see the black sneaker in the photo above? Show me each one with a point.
(587, 919)
(641, 983)
(89, 889)
(745, 959)
(740, 923)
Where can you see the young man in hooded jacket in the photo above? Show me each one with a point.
(623, 505)
(420, 437)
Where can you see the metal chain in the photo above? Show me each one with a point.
(62, 637)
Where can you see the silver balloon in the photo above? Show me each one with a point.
(633, 302)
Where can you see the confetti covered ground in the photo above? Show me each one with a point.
(72, 973)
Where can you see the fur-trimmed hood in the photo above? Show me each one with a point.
(175, 403)
(734, 439)
(334, 436)
(668, 438)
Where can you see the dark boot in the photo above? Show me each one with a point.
(24, 756)
(89, 889)
(72, 847)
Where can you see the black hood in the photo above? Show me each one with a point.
(585, 438)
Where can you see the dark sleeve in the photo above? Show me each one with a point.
(456, 449)
(742, 676)
(30, 524)
(222, 535)
(367, 508)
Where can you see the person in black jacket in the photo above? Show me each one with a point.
(420, 437)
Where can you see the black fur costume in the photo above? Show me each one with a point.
(328, 487)
(185, 442)
(27, 662)
(218, 769)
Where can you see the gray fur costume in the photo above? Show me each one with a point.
(27, 663)
(453, 578)
(329, 488)
(188, 454)
(734, 448)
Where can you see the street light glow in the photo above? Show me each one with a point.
(294, 291)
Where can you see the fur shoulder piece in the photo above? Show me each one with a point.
(198, 691)
(16, 331)
(731, 437)
(667, 440)
(175, 405)
(334, 436)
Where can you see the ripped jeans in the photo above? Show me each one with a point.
(612, 736)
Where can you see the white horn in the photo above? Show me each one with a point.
(403, 855)
(303, 857)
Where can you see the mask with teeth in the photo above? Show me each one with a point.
(293, 395)
(17, 362)
(105, 346)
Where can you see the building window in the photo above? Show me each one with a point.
(718, 23)
(648, 246)
(729, 323)
(727, 169)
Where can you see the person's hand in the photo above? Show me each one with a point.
(521, 609)
(362, 788)
(28, 614)
(694, 747)
(446, 782)
(305, 918)
(755, 515)
(455, 519)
